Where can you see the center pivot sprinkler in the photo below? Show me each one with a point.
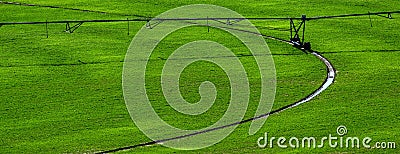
(297, 34)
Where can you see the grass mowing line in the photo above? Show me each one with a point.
(66, 8)
(79, 62)
(328, 81)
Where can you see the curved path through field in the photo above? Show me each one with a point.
(330, 77)
(328, 81)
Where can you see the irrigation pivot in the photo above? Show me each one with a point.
(297, 31)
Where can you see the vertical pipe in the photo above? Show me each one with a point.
(370, 20)
(304, 27)
(304, 31)
(291, 29)
(208, 26)
(127, 19)
(47, 31)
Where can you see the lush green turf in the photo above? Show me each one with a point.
(63, 94)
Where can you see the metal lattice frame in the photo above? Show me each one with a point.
(70, 29)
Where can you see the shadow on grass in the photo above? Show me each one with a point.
(79, 62)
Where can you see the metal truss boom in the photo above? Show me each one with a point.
(208, 18)
(355, 15)
(297, 32)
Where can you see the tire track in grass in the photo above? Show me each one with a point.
(329, 80)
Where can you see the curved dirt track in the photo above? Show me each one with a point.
(329, 79)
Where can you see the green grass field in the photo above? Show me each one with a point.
(63, 94)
